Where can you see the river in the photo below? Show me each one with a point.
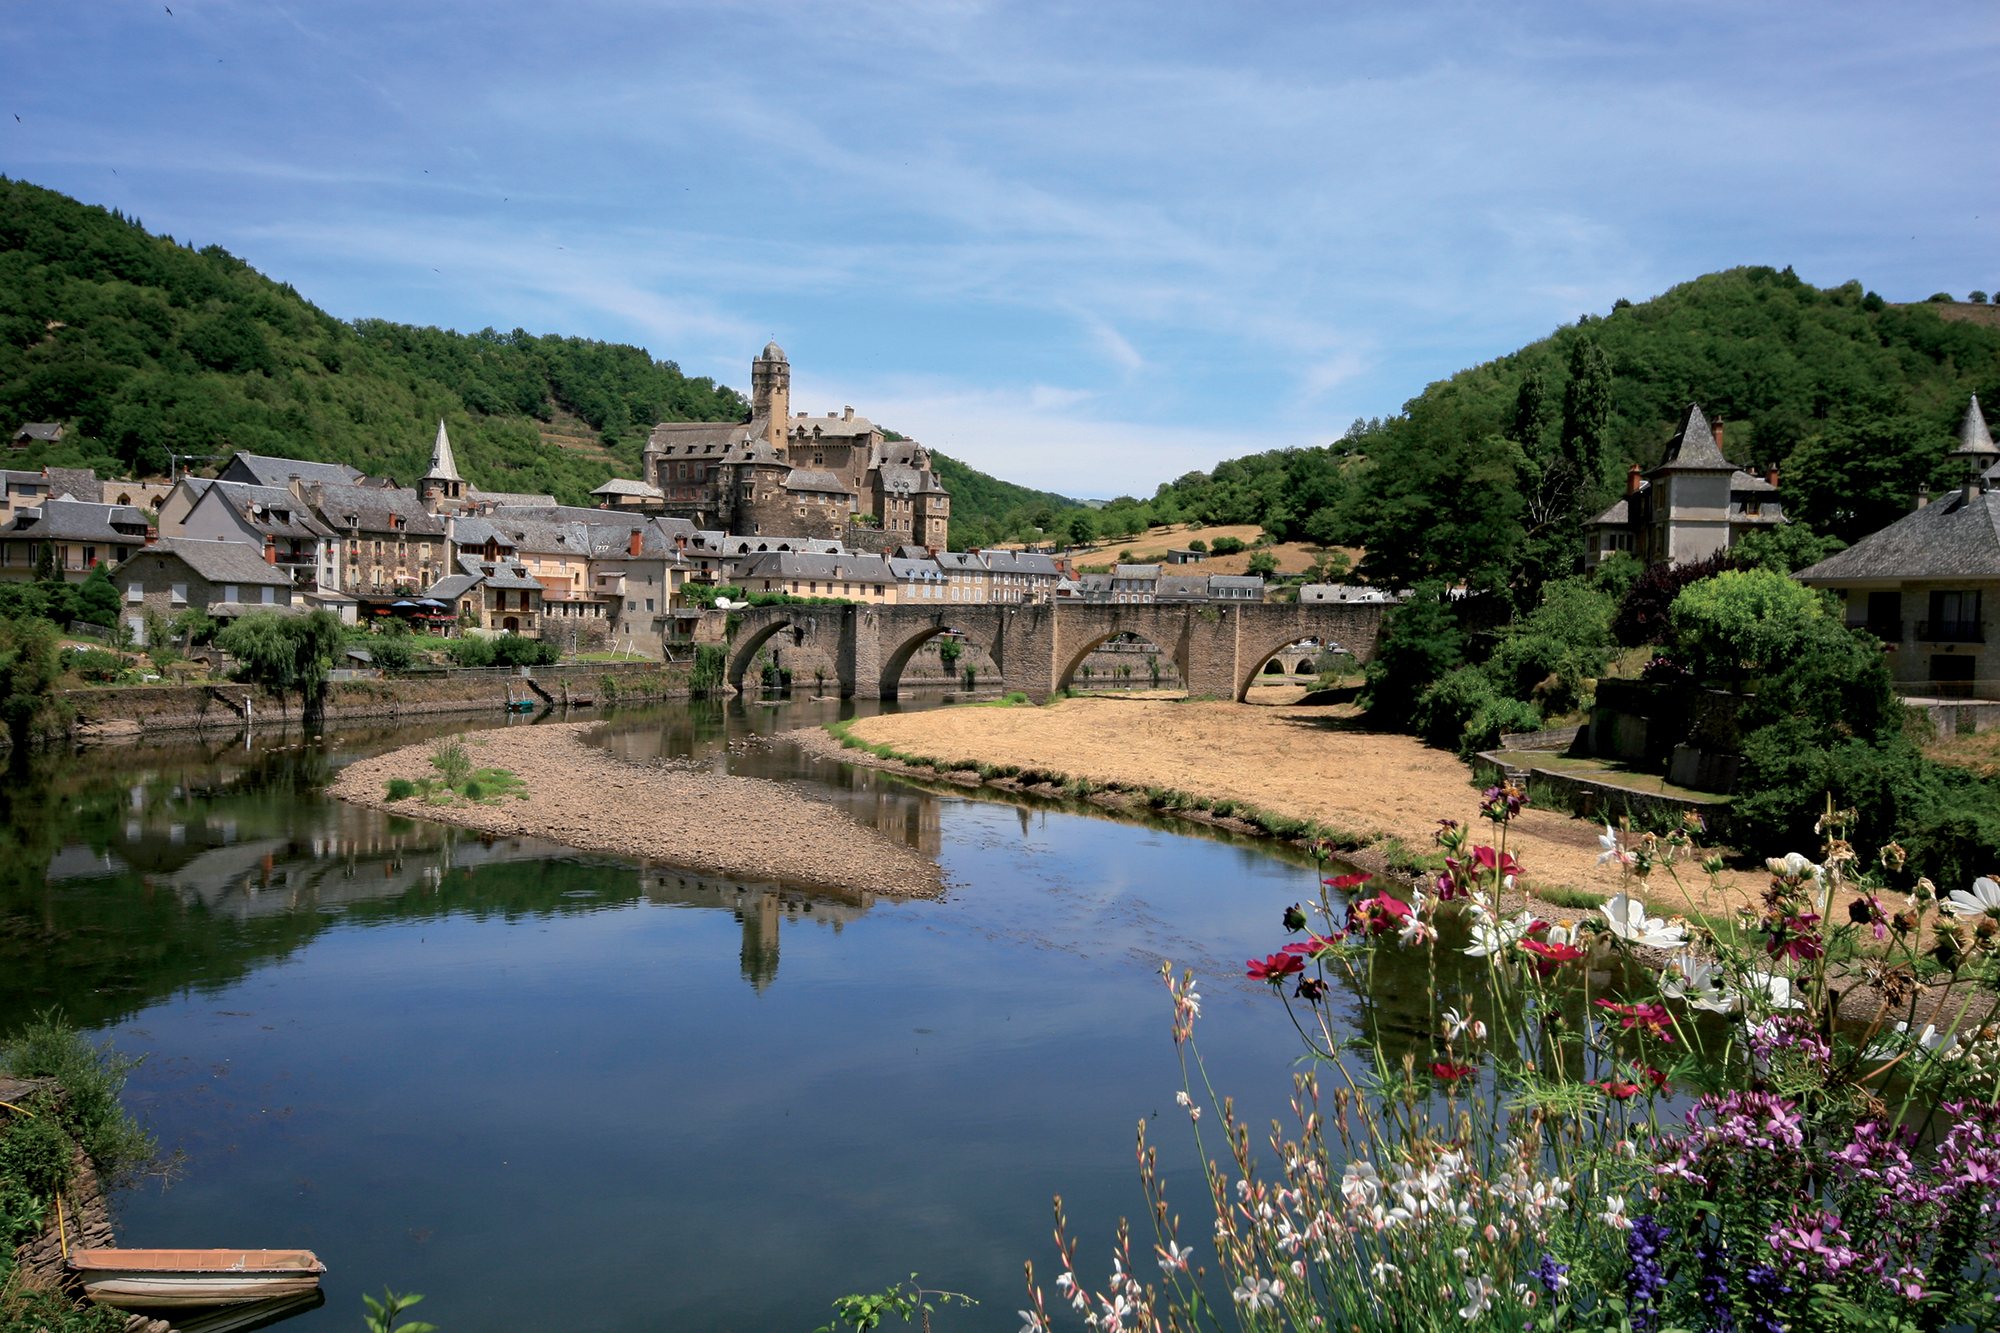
(555, 1090)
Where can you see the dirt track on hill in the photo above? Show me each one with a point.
(580, 796)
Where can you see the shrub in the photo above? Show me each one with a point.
(1443, 710)
(517, 650)
(710, 666)
(1642, 616)
(94, 665)
(1226, 545)
(1496, 718)
(401, 789)
(391, 652)
(91, 1078)
(452, 761)
(471, 651)
(1420, 642)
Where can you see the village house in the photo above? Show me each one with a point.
(642, 588)
(273, 521)
(1019, 576)
(1693, 505)
(36, 432)
(1928, 585)
(1134, 585)
(853, 577)
(68, 537)
(389, 545)
(223, 579)
(27, 490)
(492, 597)
(919, 580)
(264, 470)
(966, 576)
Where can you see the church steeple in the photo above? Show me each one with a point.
(442, 482)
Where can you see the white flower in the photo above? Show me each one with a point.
(1031, 1322)
(1174, 1258)
(1608, 840)
(1361, 1184)
(1794, 867)
(1491, 937)
(1416, 931)
(1629, 922)
(1478, 1298)
(1982, 900)
(1702, 984)
(1261, 1293)
(1382, 1270)
(1613, 1215)
(1771, 991)
(1930, 1041)
(1456, 1025)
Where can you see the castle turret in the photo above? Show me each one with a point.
(771, 394)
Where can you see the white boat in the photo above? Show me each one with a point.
(180, 1279)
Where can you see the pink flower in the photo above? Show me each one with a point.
(1313, 945)
(1486, 858)
(1378, 915)
(1548, 957)
(1345, 882)
(1652, 1020)
(1618, 1088)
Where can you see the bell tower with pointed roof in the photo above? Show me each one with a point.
(441, 485)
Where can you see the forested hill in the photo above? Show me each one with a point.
(146, 348)
(1486, 474)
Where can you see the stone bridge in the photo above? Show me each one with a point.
(1217, 648)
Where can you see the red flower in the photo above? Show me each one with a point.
(1275, 968)
(1449, 1072)
(1344, 882)
(1548, 957)
(1486, 858)
(1618, 1088)
(1795, 937)
(1316, 944)
(1651, 1019)
(1657, 1077)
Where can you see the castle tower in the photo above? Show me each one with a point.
(441, 484)
(771, 394)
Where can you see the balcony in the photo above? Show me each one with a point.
(1950, 631)
(1888, 631)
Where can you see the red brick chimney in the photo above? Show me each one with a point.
(1771, 474)
(1632, 481)
(1715, 429)
(638, 540)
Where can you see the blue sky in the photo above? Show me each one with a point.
(1082, 246)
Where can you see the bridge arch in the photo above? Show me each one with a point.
(1079, 653)
(1259, 658)
(896, 657)
(745, 649)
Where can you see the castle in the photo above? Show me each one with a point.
(802, 476)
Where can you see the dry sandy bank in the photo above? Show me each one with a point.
(580, 796)
(1306, 763)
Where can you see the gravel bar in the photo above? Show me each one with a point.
(581, 796)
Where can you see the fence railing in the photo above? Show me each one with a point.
(1950, 631)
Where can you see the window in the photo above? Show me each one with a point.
(180, 594)
(649, 603)
(230, 594)
(270, 595)
(89, 556)
(134, 593)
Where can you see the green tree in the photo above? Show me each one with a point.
(1420, 642)
(97, 598)
(1787, 548)
(1082, 528)
(30, 666)
(1263, 564)
(1742, 623)
(284, 653)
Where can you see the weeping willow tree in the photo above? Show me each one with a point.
(284, 653)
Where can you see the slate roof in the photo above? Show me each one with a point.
(1136, 572)
(849, 567)
(900, 478)
(964, 561)
(620, 486)
(689, 438)
(217, 561)
(1182, 588)
(1237, 581)
(492, 573)
(1975, 441)
(1949, 538)
(828, 427)
(373, 507)
(264, 470)
(261, 507)
(78, 520)
(504, 499)
(47, 431)
(815, 482)
(1693, 448)
(78, 483)
(444, 467)
(915, 569)
(1617, 516)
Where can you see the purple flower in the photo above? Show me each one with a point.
(1645, 1279)
(1714, 1287)
(1553, 1276)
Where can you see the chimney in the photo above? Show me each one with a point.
(1632, 481)
(270, 550)
(848, 414)
(638, 540)
(1923, 496)
(1715, 429)
(1771, 474)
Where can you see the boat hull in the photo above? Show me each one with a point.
(183, 1279)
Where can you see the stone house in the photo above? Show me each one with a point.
(919, 580)
(851, 576)
(492, 597)
(225, 579)
(1019, 576)
(1694, 504)
(36, 432)
(72, 535)
(1928, 585)
(389, 545)
(273, 521)
(264, 470)
(967, 579)
(1135, 585)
